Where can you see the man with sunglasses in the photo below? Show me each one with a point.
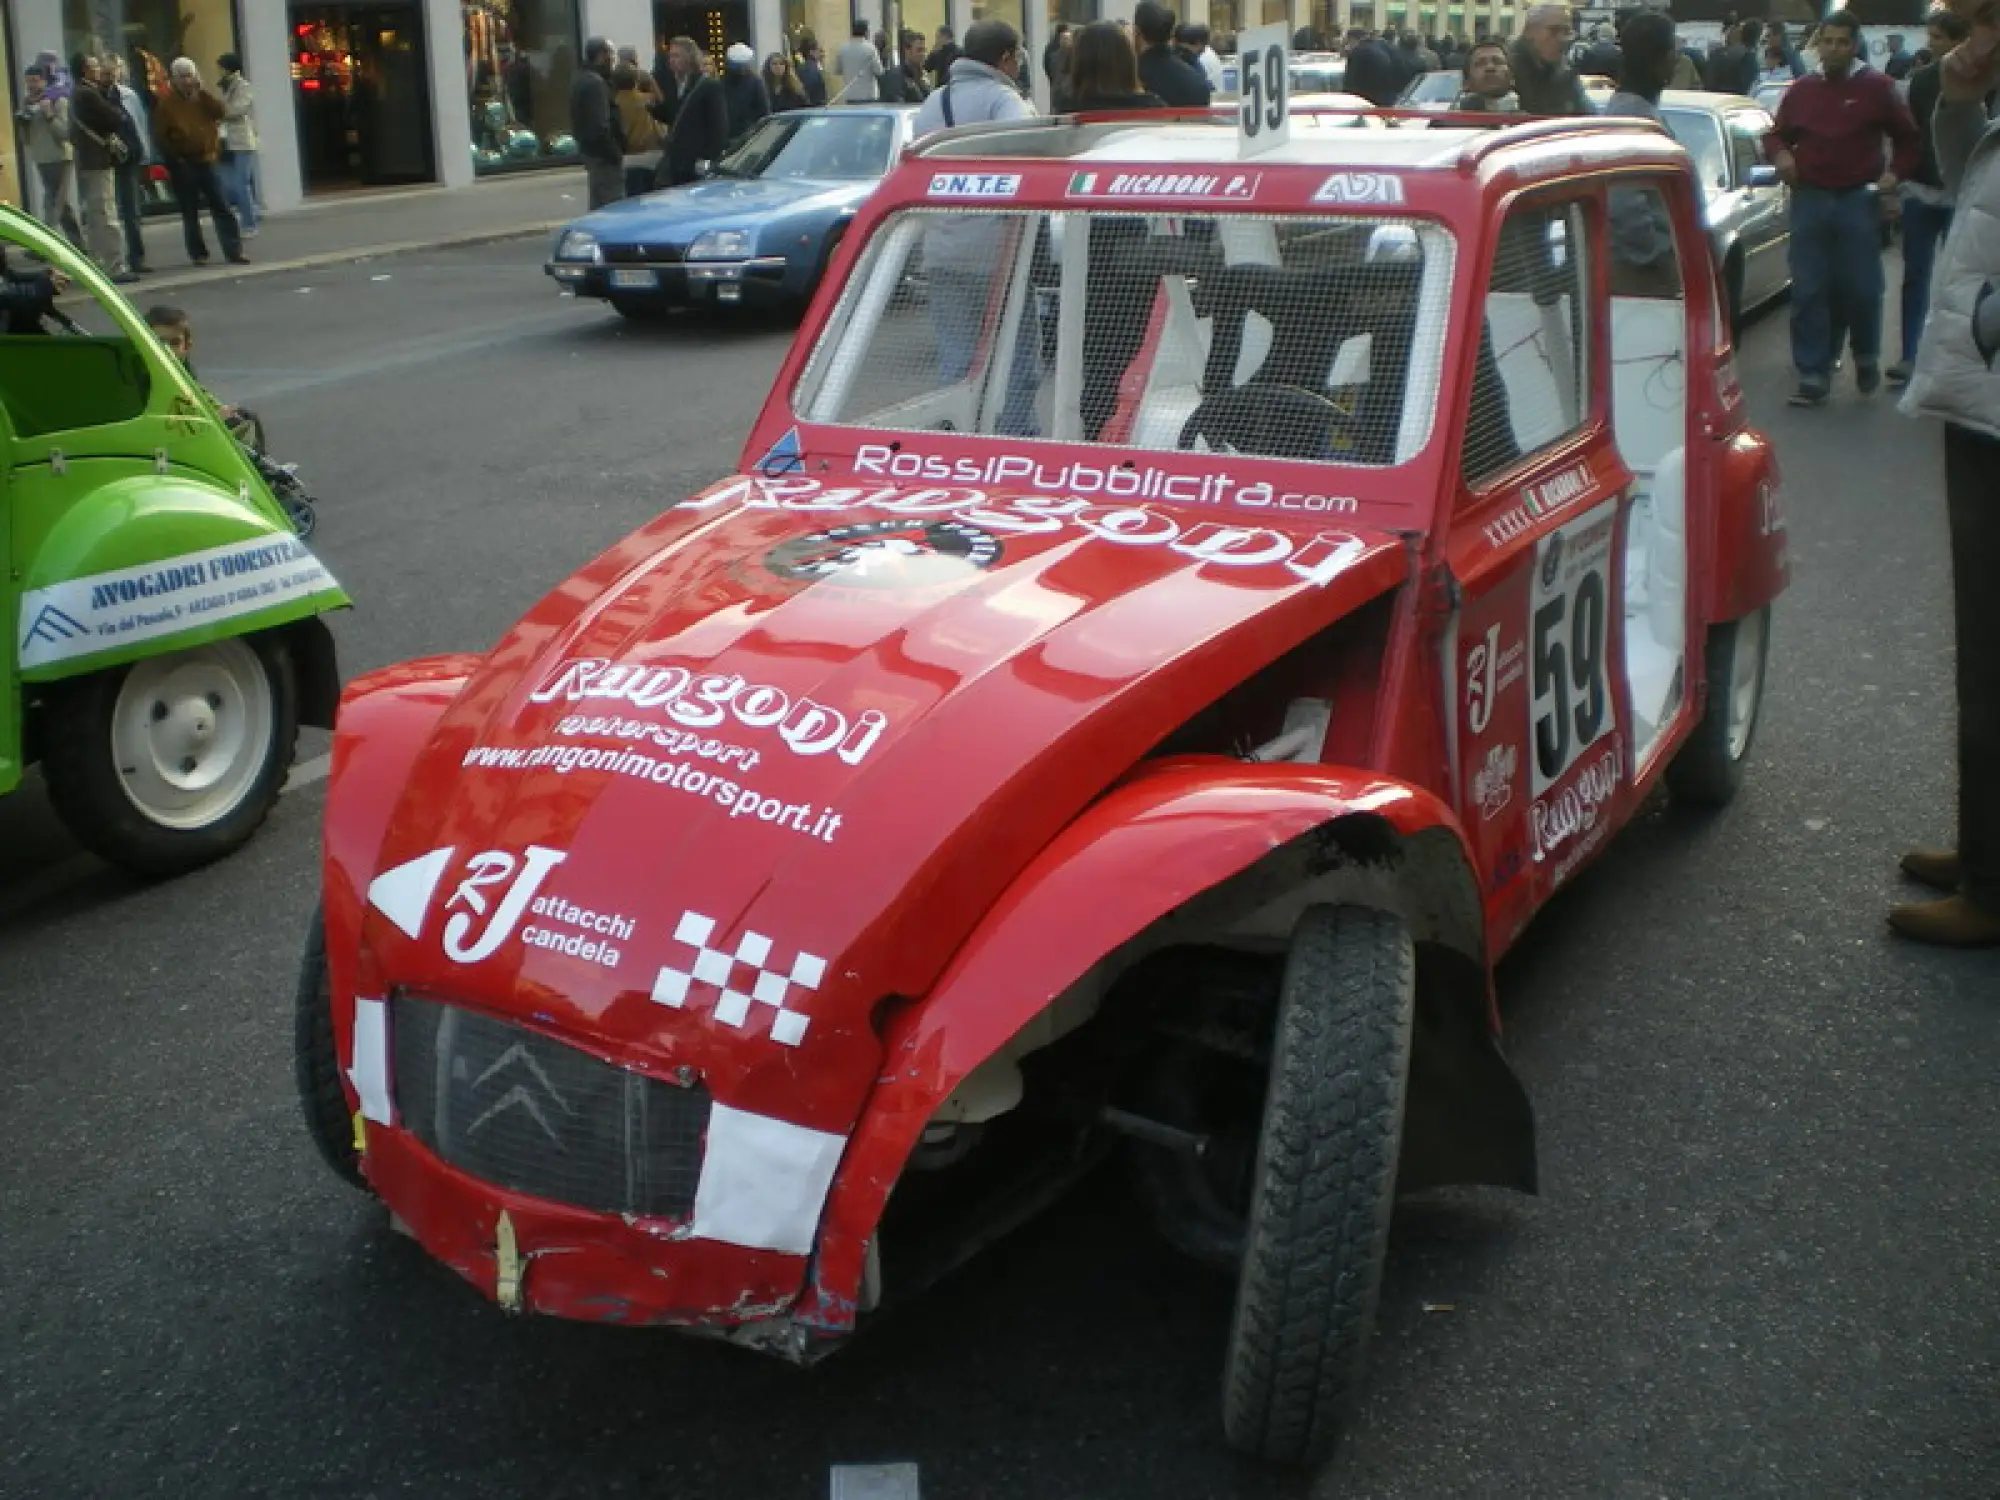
(1543, 79)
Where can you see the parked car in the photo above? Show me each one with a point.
(760, 230)
(1748, 210)
(1310, 72)
(1148, 745)
(163, 634)
(1434, 91)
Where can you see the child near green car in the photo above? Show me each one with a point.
(176, 330)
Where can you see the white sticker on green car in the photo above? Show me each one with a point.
(106, 611)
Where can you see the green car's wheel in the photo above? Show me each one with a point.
(173, 761)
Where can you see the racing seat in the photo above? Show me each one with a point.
(1281, 407)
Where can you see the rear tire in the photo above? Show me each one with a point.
(172, 761)
(1708, 770)
(1325, 1185)
(316, 1064)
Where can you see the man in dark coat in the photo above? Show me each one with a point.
(694, 106)
(1163, 72)
(599, 141)
(743, 92)
(1543, 78)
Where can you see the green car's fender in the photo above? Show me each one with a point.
(137, 561)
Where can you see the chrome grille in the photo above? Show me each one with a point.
(516, 1109)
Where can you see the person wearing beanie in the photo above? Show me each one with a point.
(743, 92)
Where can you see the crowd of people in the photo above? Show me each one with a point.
(93, 137)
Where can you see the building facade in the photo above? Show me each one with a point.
(367, 93)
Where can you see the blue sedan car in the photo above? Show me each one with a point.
(758, 230)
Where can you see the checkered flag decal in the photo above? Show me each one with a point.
(718, 971)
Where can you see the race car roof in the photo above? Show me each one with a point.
(1328, 140)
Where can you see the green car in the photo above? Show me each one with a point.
(161, 617)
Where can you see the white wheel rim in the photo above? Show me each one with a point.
(1746, 681)
(190, 733)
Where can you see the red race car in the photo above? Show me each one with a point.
(1179, 617)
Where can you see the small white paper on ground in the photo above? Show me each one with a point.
(370, 1072)
(763, 1181)
(874, 1482)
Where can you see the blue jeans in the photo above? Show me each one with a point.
(958, 302)
(1836, 257)
(1924, 227)
(239, 186)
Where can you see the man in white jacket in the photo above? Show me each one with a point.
(239, 142)
(1958, 380)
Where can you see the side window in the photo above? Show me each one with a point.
(1746, 143)
(1531, 380)
(55, 378)
(1643, 263)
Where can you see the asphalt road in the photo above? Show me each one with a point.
(1764, 1262)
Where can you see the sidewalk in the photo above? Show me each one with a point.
(350, 226)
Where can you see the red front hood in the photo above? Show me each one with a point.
(763, 764)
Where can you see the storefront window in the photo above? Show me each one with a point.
(10, 167)
(520, 58)
(150, 34)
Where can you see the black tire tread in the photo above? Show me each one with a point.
(1326, 1178)
(316, 1064)
(85, 792)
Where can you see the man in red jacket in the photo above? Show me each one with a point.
(1828, 143)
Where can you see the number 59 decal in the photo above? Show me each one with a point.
(1569, 644)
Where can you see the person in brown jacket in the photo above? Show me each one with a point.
(187, 124)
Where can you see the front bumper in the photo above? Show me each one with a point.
(758, 281)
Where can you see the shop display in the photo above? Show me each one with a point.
(520, 58)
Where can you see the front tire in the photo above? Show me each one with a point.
(1325, 1185)
(172, 762)
(1708, 770)
(316, 1064)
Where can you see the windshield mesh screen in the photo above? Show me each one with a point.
(1292, 337)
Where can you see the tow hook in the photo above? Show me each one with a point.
(507, 1265)
(1155, 1132)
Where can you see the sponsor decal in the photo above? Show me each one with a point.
(497, 891)
(900, 554)
(1102, 185)
(1318, 559)
(1355, 188)
(974, 184)
(784, 457)
(735, 979)
(1552, 494)
(1569, 609)
(105, 611)
(1504, 528)
(1573, 811)
(733, 797)
(1770, 510)
(1490, 669)
(706, 700)
(1493, 783)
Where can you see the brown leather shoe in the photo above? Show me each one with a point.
(1953, 922)
(1936, 868)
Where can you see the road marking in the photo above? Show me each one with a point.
(875, 1482)
(77, 868)
(306, 772)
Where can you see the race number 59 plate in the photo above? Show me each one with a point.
(1264, 89)
(1569, 638)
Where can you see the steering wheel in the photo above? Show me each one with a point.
(1272, 421)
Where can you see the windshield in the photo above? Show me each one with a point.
(1700, 132)
(1438, 87)
(844, 147)
(1295, 337)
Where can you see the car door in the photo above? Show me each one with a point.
(1535, 679)
(1766, 228)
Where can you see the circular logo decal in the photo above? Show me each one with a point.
(901, 554)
